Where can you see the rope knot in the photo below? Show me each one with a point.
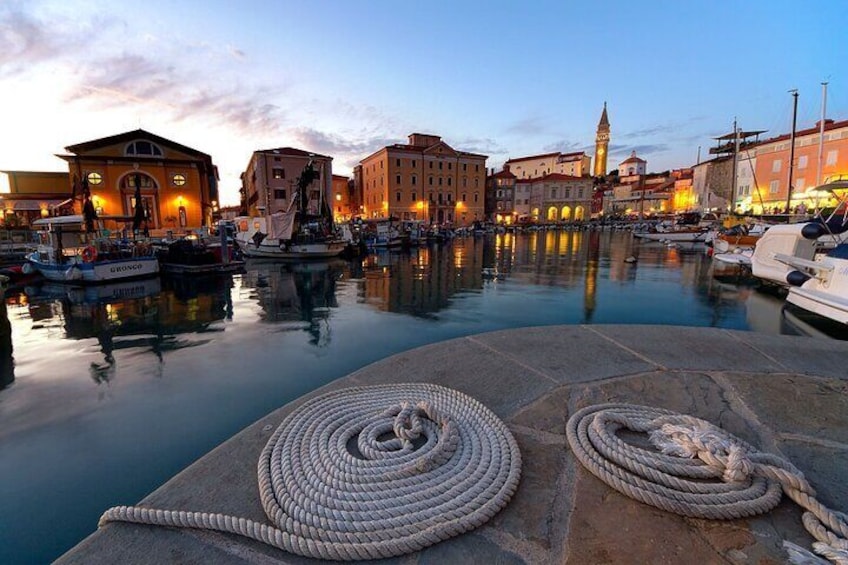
(709, 444)
(407, 424)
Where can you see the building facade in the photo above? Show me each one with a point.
(424, 179)
(503, 192)
(534, 166)
(33, 195)
(632, 166)
(269, 183)
(769, 191)
(179, 185)
(344, 202)
(602, 139)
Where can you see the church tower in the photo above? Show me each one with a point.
(602, 144)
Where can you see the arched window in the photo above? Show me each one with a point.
(143, 148)
(128, 182)
(552, 213)
(579, 213)
(397, 196)
(565, 213)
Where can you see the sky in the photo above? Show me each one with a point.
(345, 78)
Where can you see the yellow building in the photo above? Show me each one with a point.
(425, 179)
(343, 201)
(179, 185)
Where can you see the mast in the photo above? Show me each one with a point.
(794, 92)
(819, 179)
(733, 179)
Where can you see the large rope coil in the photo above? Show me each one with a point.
(698, 470)
(371, 472)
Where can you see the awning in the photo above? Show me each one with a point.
(31, 205)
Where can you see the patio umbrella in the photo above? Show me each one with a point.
(138, 216)
(89, 214)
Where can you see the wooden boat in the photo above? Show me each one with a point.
(66, 253)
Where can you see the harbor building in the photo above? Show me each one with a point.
(551, 198)
(32, 195)
(602, 139)
(502, 191)
(343, 201)
(768, 190)
(179, 185)
(424, 179)
(534, 166)
(269, 183)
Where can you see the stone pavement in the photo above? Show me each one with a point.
(786, 395)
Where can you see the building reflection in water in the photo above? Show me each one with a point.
(422, 281)
(149, 315)
(298, 294)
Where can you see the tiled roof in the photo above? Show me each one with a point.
(543, 155)
(293, 152)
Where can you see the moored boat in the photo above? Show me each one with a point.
(67, 253)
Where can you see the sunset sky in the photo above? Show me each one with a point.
(345, 78)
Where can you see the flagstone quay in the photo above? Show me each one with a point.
(785, 395)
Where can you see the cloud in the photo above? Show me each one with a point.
(483, 145)
(531, 125)
(565, 146)
(642, 149)
(335, 144)
(26, 41)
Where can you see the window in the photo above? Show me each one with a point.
(500, 194)
(143, 149)
(553, 193)
(397, 162)
(279, 194)
(802, 162)
(94, 178)
(440, 181)
(773, 186)
(449, 181)
(431, 164)
(413, 163)
(568, 193)
(432, 198)
(440, 165)
(430, 181)
(475, 197)
(579, 193)
(476, 183)
(464, 167)
(463, 197)
(440, 198)
(449, 198)
(413, 197)
(450, 166)
(397, 196)
(464, 181)
(831, 157)
(799, 184)
(775, 166)
(279, 173)
(397, 179)
(414, 180)
(477, 168)
(178, 179)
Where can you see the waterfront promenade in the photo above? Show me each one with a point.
(785, 395)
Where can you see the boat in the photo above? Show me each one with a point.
(740, 236)
(68, 253)
(685, 229)
(821, 286)
(199, 256)
(294, 233)
(384, 233)
(786, 253)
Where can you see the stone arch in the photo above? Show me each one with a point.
(580, 213)
(552, 213)
(565, 213)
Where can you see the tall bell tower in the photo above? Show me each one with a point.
(602, 144)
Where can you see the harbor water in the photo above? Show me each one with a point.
(108, 391)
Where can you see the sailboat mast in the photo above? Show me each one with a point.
(819, 179)
(794, 92)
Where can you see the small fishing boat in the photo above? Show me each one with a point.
(68, 253)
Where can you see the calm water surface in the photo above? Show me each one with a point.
(110, 391)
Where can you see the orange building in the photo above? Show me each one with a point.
(344, 206)
(33, 195)
(425, 179)
(767, 190)
(179, 185)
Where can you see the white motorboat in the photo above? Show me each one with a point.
(66, 253)
(821, 286)
(696, 235)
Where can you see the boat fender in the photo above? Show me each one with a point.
(813, 230)
(89, 254)
(797, 278)
(27, 268)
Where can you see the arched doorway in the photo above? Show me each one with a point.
(149, 196)
(565, 213)
(579, 213)
(552, 214)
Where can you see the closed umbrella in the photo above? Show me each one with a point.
(138, 216)
(89, 214)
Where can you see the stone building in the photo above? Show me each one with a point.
(534, 166)
(269, 183)
(424, 179)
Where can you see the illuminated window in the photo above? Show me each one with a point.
(279, 173)
(178, 179)
(95, 178)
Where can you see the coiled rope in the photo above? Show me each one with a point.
(701, 471)
(371, 472)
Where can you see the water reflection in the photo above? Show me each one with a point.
(148, 316)
(292, 294)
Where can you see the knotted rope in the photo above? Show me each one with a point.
(371, 472)
(702, 471)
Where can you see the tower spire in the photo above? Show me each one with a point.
(602, 144)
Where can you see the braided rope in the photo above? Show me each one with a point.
(702, 471)
(371, 472)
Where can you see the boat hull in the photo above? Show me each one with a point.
(272, 249)
(679, 237)
(97, 271)
(821, 303)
